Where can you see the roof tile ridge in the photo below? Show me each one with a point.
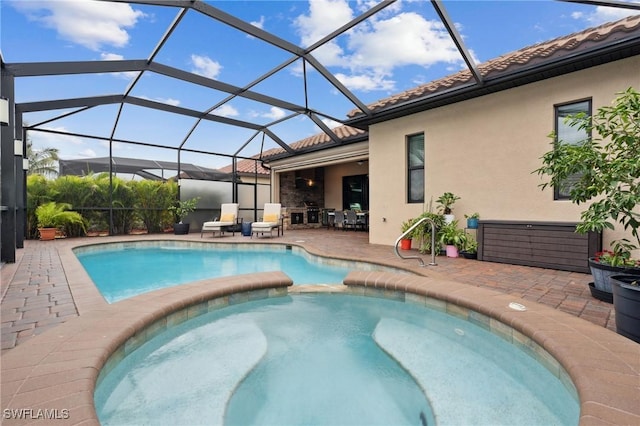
(520, 56)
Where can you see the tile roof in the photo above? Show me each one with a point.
(342, 132)
(510, 62)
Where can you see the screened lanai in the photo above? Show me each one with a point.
(208, 83)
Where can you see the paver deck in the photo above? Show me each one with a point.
(36, 295)
(56, 373)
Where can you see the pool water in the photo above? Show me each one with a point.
(126, 272)
(331, 359)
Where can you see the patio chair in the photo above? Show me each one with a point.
(270, 220)
(227, 221)
(339, 219)
(352, 221)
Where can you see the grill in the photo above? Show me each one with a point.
(313, 211)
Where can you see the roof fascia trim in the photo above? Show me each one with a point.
(325, 157)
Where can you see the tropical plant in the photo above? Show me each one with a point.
(471, 245)
(446, 201)
(422, 233)
(57, 215)
(183, 207)
(153, 200)
(605, 168)
(38, 192)
(451, 235)
(472, 216)
(42, 161)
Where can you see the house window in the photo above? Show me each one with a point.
(569, 135)
(415, 166)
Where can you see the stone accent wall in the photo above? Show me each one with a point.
(290, 196)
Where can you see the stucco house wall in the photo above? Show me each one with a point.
(484, 150)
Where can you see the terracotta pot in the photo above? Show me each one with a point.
(47, 234)
(405, 244)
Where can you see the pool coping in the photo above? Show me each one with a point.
(58, 369)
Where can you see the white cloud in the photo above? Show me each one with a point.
(205, 66)
(275, 113)
(88, 153)
(332, 124)
(324, 17)
(603, 14)
(259, 24)
(129, 75)
(371, 52)
(54, 140)
(168, 101)
(366, 82)
(88, 23)
(226, 111)
(405, 39)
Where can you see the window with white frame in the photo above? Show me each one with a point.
(569, 135)
(415, 168)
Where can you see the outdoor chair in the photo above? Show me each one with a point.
(227, 221)
(352, 221)
(270, 220)
(339, 219)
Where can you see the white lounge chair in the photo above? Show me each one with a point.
(227, 220)
(270, 220)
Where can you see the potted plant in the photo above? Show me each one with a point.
(445, 204)
(52, 216)
(604, 170)
(453, 238)
(470, 250)
(422, 234)
(607, 263)
(180, 210)
(472, 220)
(626, 299)
(405, 243)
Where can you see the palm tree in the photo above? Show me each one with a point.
(42, 161)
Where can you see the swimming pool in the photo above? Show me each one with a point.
(331, 359)
(122, 270)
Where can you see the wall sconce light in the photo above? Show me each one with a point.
(4, 111)
(310, 182)
(17, 147)
(25, 164)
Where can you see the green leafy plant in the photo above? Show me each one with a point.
(446, 201)
(422, 233)
(450, 234)
(471, 245)
(605, 169)
(472, 216)
(57, 215)
(183, 207)
(619, 256)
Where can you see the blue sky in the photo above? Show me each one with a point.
(399, 48)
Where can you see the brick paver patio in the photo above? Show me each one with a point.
(36, 294)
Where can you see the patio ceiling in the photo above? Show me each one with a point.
(199, 117)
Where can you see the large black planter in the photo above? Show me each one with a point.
(468, 255)
(180, 228)
(626, 302)
(601, 274)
